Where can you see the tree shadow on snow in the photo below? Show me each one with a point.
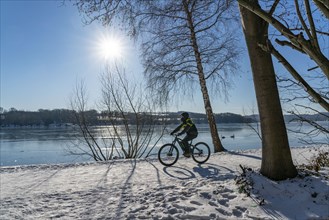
(103, 180)
(156, 170)
(244, 155)
(39, 183)
(126, 190)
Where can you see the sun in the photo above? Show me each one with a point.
(110, 48)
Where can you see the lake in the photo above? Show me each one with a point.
(26, 146)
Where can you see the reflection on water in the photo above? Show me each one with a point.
(49, 146)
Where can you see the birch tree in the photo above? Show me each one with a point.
(191, 42)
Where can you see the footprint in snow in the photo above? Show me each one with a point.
(138, 209)
(238, 211)
(229, 196)
(223, 212)
(185, 208)
(195, 203)
(212, 203)
(206, 195)
(223, 202)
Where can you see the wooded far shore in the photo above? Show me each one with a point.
(42, 117)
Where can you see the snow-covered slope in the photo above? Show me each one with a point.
(144, 189)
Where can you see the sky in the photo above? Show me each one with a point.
(46, 49)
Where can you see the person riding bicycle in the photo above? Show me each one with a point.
(188, 127)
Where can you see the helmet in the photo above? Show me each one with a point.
(184, 115)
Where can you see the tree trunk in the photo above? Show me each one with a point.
(276, 156)
(210, 116)
(206, 99)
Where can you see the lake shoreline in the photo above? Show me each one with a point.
(24, 146)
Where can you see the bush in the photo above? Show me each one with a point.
(321, 160)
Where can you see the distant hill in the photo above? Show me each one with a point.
(236, 118)
(64, 116)
(201, 118)
(324, 116)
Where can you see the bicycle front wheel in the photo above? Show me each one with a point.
(168, 154)
(200, 152)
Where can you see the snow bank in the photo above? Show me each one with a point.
(144, 189)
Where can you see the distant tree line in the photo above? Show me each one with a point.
(200, 118)
(43, 117)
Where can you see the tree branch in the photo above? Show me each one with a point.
(323, 5)
(287, 43)
(317, 97)
(299, 39)
(273, 7)
(314, 38)
(301, 19)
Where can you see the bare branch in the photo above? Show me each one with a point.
(297, 76)
(287, 43)
(323, 6)
(298, 40)
(301, 19)
(275, 4)
(314, 38)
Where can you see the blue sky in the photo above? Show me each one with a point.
(45, 49)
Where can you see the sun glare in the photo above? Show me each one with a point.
(110, 48)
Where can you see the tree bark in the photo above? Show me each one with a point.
(276, 156)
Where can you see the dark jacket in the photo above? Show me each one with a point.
(188, 126)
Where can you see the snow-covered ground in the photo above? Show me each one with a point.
(144, 189)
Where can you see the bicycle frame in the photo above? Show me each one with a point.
(190, 145)
(179, 141)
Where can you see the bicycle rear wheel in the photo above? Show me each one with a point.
(200, 152)
(168, 154)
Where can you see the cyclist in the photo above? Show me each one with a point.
(188, 127)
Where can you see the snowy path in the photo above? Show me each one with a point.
(144, 189)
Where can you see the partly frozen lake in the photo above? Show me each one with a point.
(24, 146)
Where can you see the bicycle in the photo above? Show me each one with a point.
(168, 154)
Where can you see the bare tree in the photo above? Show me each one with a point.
(303, 28)
(78, 103)
(184, 42)
(132, 129)
(190, 42)
(129, 102)
(276, 156)
(295, 32)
